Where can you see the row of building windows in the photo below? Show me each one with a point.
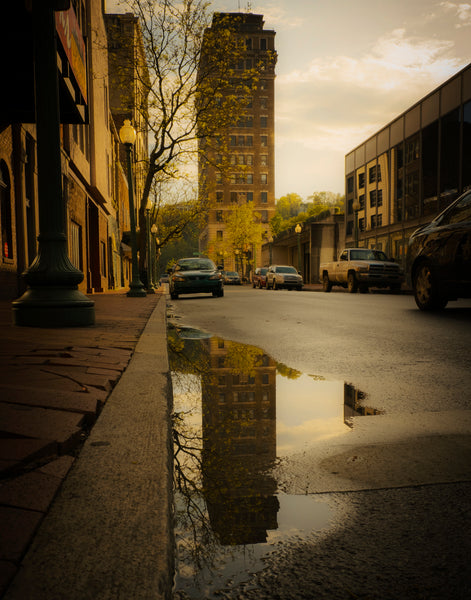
(244, 159)
(248, 121)
(241, 197)
(242, 178)
(247, 140)
(244, 397)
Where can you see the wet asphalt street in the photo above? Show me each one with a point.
(398, 486)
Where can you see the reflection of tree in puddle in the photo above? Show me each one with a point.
(225, 444)
(225, 493)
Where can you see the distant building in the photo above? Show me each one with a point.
(411, 169)
(248, 146)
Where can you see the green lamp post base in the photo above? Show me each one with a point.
(53, 307)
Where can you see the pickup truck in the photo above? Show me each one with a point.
(360, 269)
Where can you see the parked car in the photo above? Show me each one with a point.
(195, 276)
(231, 278)
(440, 257)
(283, 276)
(260, 277)
(361, 268)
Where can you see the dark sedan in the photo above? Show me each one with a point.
(232, 278)
(196, 276)
(440, 257)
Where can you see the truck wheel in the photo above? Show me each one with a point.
(426, 290)
(326, 285)
(352, 283)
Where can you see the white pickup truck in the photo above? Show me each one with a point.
(360, 269)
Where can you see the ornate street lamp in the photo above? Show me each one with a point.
(52, 298)
(155, 241)
(298, 230)
(356, 207)
(270, 250)
(127, 135)
(150, 283)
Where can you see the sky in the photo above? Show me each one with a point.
(345, 69)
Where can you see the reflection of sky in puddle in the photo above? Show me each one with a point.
(307, 411)
(238, 410)
(297, 517)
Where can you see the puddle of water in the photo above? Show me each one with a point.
(236, 413)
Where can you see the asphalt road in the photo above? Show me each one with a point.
(399, 483)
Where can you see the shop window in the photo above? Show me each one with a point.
(76, 245)
(449, 153)
(466, 154)
(5, 212)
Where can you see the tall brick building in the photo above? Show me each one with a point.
(248, 147)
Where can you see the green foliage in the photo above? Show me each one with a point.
(290, 209)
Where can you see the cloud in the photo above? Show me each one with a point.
(462, 12)
(394, 61)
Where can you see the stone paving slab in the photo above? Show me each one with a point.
(86, 403)
(53, 385)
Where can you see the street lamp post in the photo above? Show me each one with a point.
(356, 208)
(270, 249)
(150, 281)
(127, 135)
(52, 298)
(155, 241)
(298, 229)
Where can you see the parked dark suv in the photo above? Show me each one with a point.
(440, 257)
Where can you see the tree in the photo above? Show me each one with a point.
(289, 206)
(243, 231)
(189, 98)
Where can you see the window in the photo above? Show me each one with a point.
(372, 174)
(219, 217)
(249, 160)
(264, 160)
(76, 245)
(264, 121)
(240, 159)
(218, 177)
(233, 140)
(264, 141)
(233, 196)
(5, 212)
(264, 216)
(373, 198)
(264, 102)
(263, 43)
(361, 200)
(103, 258)
(249, 140)
(350, 185)
(263, 197)
(361, 224)
(361, 180)
(219, 235)
(248, 43)
(263, 178)
(219, 196)
(376, 221)
(249, 196)
(249, 178)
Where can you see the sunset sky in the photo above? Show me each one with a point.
(345, 69)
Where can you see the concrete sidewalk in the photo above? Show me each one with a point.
(53, 385)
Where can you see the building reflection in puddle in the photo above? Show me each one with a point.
(236, 411)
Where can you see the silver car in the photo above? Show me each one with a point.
(283, 277)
